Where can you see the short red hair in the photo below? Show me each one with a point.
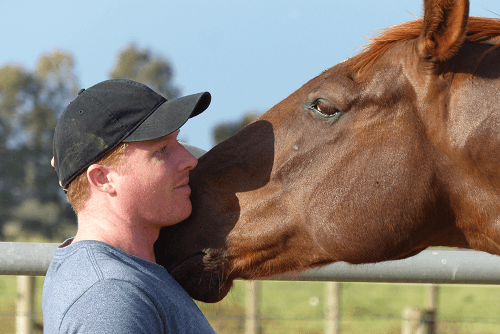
(78, 190)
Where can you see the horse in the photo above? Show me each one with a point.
(377, 158)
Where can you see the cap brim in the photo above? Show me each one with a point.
(170, 116)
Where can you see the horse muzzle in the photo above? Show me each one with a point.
(202, 276)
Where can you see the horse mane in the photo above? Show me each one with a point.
(478, 29)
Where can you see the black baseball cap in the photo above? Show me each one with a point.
(113, 112)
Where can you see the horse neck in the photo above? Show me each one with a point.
(463, 124)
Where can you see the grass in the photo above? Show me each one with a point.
(8, 297)
(298, 307)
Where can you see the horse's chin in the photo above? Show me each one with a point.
(201, 278)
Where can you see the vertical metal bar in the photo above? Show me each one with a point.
(252, 320)
(411, 320)
(25, 304)
(432, 297)
(431, 311)
(332, 305)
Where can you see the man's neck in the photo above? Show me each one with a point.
(132, 238)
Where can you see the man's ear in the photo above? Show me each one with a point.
(98, 177)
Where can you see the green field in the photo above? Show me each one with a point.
(8, 296)
(298, 307)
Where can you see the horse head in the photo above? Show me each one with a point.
(387, 153)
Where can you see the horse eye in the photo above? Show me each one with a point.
(324, 108)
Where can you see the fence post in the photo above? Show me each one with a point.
(25, 302)
(411, 320)
(432, 296)
(417, 321)
(432, 304)
(332, 305)
(252, 319)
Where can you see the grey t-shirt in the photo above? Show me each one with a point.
(92, 287)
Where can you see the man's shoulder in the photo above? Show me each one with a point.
(84, 282)
(111, 305)
(81, 268)
(122, 307)
(87, 262)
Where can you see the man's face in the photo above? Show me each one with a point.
(152, 184)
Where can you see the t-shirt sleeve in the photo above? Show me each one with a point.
(113, 306)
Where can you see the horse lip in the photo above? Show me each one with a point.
(178, 264)
(201, 281)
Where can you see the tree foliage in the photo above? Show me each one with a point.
(147, 67)
(30, 103)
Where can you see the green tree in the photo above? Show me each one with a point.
(30, 103)
(225, 130)
(146, 67)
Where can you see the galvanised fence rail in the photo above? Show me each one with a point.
(430, 266)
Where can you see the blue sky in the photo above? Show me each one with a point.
(249, 54)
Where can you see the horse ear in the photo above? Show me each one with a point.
(444, 29)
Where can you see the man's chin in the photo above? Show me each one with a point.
(181, 214)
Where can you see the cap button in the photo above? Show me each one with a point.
(81, 91)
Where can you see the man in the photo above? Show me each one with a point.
(118, 159)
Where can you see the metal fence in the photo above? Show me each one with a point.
(432, 266)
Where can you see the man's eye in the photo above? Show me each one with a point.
(163, 150)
